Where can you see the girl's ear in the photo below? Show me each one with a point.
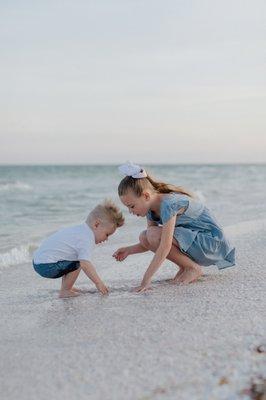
(146, 195)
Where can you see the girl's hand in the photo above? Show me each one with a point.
(144, 287)
(121, 253)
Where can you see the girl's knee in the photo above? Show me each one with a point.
(143, 239)
(154, 235)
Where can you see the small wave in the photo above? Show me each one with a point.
(17, 255)
(16, 185)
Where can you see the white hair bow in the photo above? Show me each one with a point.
(133, 170)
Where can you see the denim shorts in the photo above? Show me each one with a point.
(56, 270)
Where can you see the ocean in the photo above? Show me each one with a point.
(38, 200)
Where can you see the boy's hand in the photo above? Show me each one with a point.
(121, 253)
(102, 288)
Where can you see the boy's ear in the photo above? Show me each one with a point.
(96, 223)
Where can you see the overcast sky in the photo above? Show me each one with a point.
(180, 81)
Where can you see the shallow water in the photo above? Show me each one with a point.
(37, 200)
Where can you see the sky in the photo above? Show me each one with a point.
(173, 81)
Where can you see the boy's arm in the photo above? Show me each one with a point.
(91, 273)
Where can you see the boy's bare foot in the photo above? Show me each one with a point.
(190, 274)
(63, 294)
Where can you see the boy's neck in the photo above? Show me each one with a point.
(90, 225)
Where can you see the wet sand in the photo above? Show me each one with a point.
(176, 342)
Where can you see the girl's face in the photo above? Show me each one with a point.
(138, 206)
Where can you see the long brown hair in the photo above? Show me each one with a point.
(138, 185)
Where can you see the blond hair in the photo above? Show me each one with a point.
(138, 185)
(107, 212)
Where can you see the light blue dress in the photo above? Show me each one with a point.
(196, 231)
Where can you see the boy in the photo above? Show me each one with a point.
(69, 250)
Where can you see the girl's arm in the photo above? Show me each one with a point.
(136, 248)
(123, 252)
(161, 253)
(151, 223)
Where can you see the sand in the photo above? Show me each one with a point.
(177, 342)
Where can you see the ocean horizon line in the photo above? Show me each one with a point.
(149, 164)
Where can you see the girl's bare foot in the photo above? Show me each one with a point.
(68, 293)
(190, 274)
(74, 289)
(178, 275)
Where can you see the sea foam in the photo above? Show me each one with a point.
(15, 185)
(17, 255)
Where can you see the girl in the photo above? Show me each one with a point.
(179, 228)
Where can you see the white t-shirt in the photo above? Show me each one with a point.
(72, 244)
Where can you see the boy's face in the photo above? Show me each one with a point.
(102, 231)
(138, 206)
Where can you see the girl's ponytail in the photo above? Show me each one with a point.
(162, 187)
